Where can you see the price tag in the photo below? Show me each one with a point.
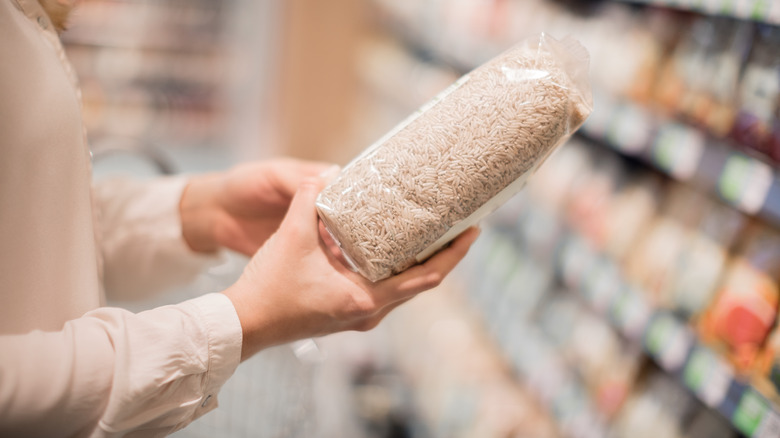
(678, 149)
(752, 9)
(711, 6)
(770, 427)
(750, 412)
(708, 377)
(603, 285)
(726, 8)
(658, 334)
(673, 356)
(745, 182)
(696, 371)
(631, 313)
(669, 341)
(619, 310)
(576, 260)
(713, 393)
(630, 130)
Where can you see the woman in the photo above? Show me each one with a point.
(71, 367)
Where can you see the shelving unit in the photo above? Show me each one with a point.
(670, 342)
(599, 282)
(687, 154)
(675, 147)
(152, 71)
(555, 382)
(646, 133)
(759, 10)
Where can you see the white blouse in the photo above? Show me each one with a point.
(69, 367)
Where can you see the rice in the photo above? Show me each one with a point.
(391, 206)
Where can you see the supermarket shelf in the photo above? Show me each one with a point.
(687, 154)
(555, 383)
(766, 11)
(149, 26)
(670, 342)
(679, 150)
(558, 387)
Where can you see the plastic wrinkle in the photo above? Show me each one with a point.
(458, 157)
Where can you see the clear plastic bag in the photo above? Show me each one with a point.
(457, 158)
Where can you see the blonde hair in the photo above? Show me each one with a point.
(58, 12)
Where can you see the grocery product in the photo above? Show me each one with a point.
(631, 212)
(592, 193)
(759, 92)
(711, 73)
(651, 264)
(658, 408)
(724, 67)
(606, 363)
(677, 69)
(553, 182)
(700, 265)
(458, 158)
(744, 311)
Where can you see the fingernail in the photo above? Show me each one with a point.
(328, 174)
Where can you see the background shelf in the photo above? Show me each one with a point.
(689, 155)
(767, 11)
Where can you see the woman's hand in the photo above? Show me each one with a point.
(241, 208)
(295, 287)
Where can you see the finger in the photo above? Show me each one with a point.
(301, 217)
(331, 246)
(336, 259)
(429, 274)
(291, 173)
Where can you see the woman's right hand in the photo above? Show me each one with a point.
(295, 287)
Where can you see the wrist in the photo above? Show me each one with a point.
(257, 333)
(197, 213)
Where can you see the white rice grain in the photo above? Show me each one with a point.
(403, 194)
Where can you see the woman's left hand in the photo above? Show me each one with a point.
(241, 208)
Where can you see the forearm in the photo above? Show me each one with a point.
(112, 370)
(142, 239)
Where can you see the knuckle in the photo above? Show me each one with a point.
(361, 306)
(434, 278)
(368, 325)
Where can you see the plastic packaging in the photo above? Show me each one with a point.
(458, 158)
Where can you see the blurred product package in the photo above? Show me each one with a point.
(759, 94)
(742, 314)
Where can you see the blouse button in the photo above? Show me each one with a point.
(42, 22)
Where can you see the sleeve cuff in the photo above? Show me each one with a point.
(224, 338)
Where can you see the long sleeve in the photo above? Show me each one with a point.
(141, 241)
(67, 367)
(115, 373)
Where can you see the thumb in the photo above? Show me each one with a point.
(301, 217)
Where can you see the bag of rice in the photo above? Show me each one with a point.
(457, 158)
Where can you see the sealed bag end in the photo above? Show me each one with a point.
(572, 58)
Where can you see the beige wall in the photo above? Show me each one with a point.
(317, 78)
